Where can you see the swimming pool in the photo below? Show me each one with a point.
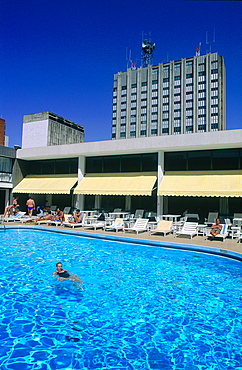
(142, 307)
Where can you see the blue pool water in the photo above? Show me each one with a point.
(142, 307)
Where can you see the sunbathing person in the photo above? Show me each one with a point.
(216, 228)
(59, 216)
(77, 217)
(42, 218)
(63, 275)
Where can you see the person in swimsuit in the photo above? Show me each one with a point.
(63, 275)
(216, 228)
(59, 216)
(77, 217)
(31, 206)
(14, 208)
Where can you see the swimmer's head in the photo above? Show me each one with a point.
(59, 265)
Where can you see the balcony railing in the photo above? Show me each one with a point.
(5, 177)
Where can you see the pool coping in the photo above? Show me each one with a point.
(164, 244)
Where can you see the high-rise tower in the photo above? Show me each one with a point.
(178, 97)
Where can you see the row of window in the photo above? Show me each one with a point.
(55, 166)
(226, 159)
(122, 163)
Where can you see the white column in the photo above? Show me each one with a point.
(160, 173)
(6, 198)
(79, 201)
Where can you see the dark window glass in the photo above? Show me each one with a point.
(199, 160)
(89, 202)
(48, 167)
(149, 162)
(225, 160)
(111, 164)
(154, 131)
(73, 165)
(130, 163)
(62, 166)
(94, 165)
(177, 128)
(175, 161)
(35, 168)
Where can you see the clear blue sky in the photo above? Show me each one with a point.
(61, 55)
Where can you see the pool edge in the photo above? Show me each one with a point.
(165, 244)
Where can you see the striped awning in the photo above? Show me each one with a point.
(202, 184)
(46, 184)
(117, 184)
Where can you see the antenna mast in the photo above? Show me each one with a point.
(147, 52)
(210, 42)
(130, 64)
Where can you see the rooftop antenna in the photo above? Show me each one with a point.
(147, 51)
(198, 50)
(210, 42)
(130, 64)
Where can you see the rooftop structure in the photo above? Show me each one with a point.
(47, 129)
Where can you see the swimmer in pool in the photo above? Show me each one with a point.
(62, 275)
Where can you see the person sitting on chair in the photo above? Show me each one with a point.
(59, 216)
(77, 217)
(216, 228)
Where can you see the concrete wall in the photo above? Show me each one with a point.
(198, 141)
(35, 134)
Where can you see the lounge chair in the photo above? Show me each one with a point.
(239, 236)
(16, 217)
(189, 228)
(138, 213)
(80, 224)
(117, 225)
(95, 225)
(163, 227)
(140, 225)
(211, 218)
(223, 234)
(66, 210)
(53, 208)
(237, 215)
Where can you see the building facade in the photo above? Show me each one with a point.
(179, 97)
(168, 174)
(48, 129)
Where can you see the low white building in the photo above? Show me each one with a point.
(200, 171)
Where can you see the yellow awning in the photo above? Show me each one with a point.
(46, 184)
(202, 184)
(117, 184)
